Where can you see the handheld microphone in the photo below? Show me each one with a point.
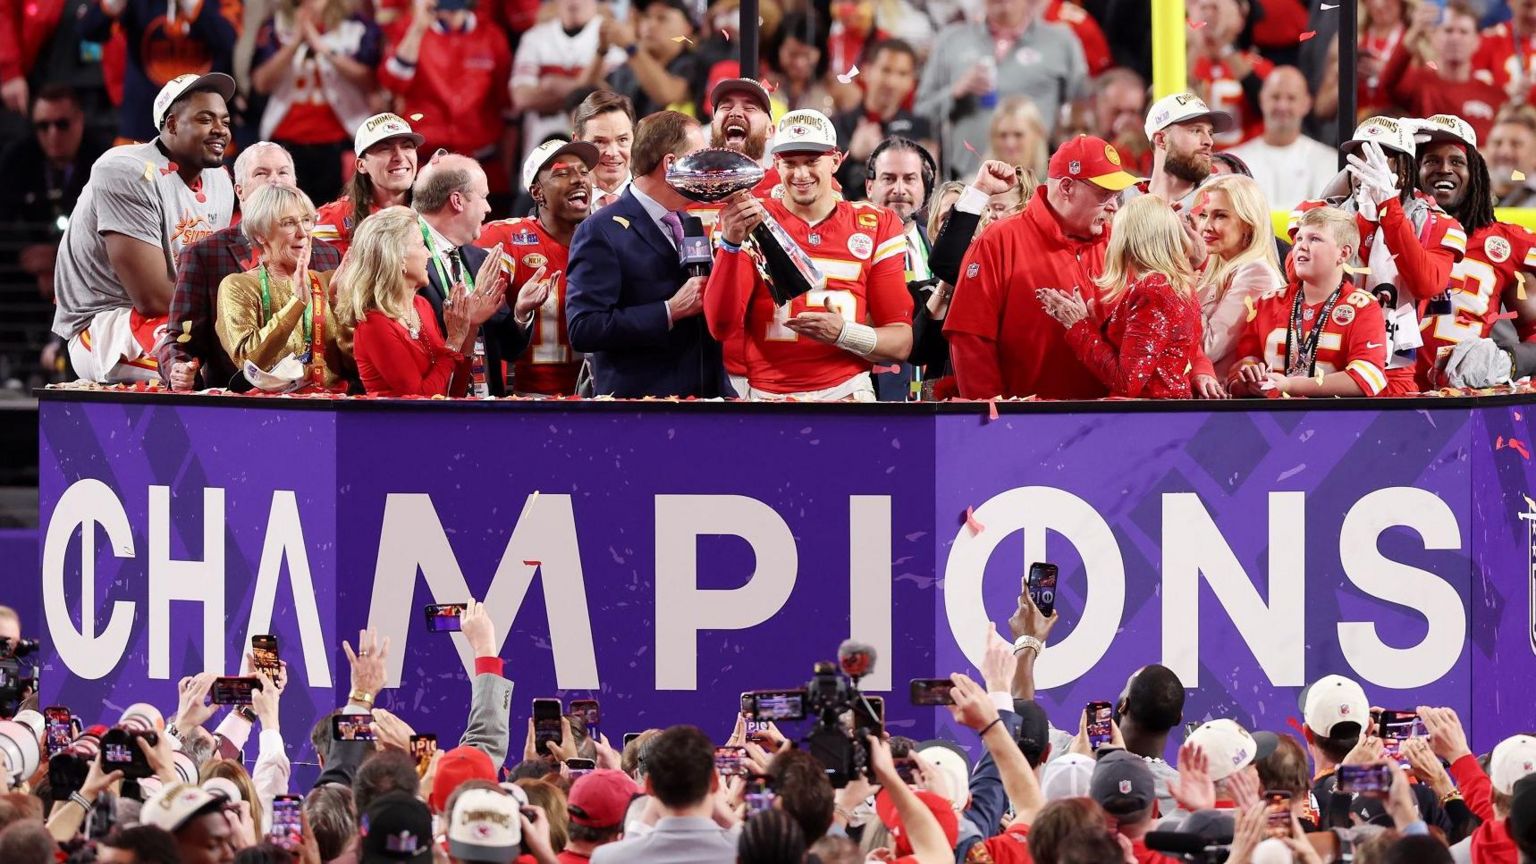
(856, 659)
(695, 253)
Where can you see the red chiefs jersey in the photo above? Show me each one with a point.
(1496, 53)
(548, 365)
(333, 224)
(1353, 340)
(1424, 258)
(1225, 93)
(734, 349)
(1087, 31)
(861, 249)
(1494, 257)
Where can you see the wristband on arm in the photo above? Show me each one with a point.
(857, 338)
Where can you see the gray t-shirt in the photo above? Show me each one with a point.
(1046, 64)
(132, 192)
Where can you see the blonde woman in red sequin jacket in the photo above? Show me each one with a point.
(1146, 335)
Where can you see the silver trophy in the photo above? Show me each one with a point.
(714, 174)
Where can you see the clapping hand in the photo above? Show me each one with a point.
(1067, 309)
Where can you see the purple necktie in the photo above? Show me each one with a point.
(674, 225)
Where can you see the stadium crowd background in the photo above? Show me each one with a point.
(1008, 81)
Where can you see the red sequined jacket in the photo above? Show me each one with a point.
(1148, 342)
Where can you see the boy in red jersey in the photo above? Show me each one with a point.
(818, 346)
(1318, 336)
(559, 177)
(1407, 241)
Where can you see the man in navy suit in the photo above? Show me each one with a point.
(450, 195)
(629, 304)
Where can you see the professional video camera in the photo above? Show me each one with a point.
(833, 692)
(16, 680)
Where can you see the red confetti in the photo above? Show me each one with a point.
(1307, 35)
(969, 147)
(1432, 65)
(1519, 447)
(879, 369)
(533, 563)
(992, 408)
(1505, 316)
(1499, 444)
(1196, 25)
(970, 522)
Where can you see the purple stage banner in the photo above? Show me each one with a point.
(665, 557)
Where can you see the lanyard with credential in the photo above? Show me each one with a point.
(442, 271)
(309, 310)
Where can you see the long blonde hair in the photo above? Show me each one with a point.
(1037, 147)
(1251, 208)
(936, 215)
(1146, 237)
(373, 276)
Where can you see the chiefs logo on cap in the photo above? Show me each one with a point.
(1111, 155)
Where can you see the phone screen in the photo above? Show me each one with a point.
(546, 723)
(731, 761)
(759, 797)
(444, 617)
(1099, 716)
(234, 691)
(264, 654)
(1278, 806)
(287, 829)
(352, 727)
(1042, 587)
(422, 749)
(932, 691)
(577, 767)
(1363, 779)
(588, 711)
(60, 728)
(629, 737)
(1395, 727)
(773, 705)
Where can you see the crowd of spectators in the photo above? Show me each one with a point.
(1350, 781)
(362, 106)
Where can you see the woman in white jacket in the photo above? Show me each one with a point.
(1241, 266)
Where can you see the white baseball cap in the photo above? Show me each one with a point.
(804, 131)
(1229, 747)
(1445, 127)
(949, 758)
(381, 127)
(1512, 761)
(19, 752)
(1333, 700)
(1067, 776)
(549, 151)
(1389, 132)
(1182, 108)
(181, 85)
(173, 806)
(485, 826)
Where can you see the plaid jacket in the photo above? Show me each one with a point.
(199, 270)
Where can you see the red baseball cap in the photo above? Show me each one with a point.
(455, 768)
(937, 804)
(600, 799)
(1093, 159)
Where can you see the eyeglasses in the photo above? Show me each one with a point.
(59, 125)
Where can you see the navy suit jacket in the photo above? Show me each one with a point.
(622, 272)
(503, 339)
